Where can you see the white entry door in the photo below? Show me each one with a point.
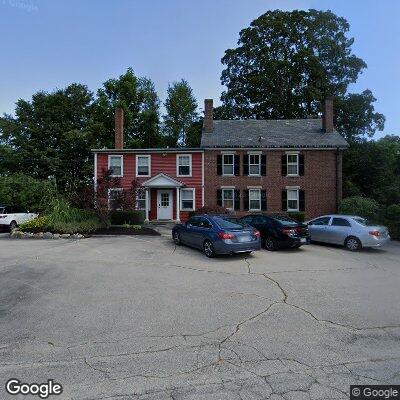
(164, 204)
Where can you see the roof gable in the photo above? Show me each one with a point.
(162, 180)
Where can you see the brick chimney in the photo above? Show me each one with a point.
(208, 124)
(327, 115)
(119, 128)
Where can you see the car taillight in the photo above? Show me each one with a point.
(226, 235)
(257, 233)
(375, 233)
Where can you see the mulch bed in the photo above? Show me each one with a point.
(125, 231)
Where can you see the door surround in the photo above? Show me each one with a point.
(165, 212)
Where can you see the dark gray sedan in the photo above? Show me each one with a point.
(217, 234)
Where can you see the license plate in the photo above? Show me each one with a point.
(244, 238)
(303, 240)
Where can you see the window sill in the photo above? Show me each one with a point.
(187, 209)
(116, 176)
(184, 176)
(254, 175)
(143, 176)
(293, 175)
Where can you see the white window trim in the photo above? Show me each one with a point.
(259, 192)
(137, 200)
(287, 163)
(194, 199)
(287, 200)
(137, 164)
(190, 164)
(111, 190)
(233, 197)
(233, 164)
(122, 164)
(259, 162)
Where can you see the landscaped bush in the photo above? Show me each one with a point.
(392, 220)
(297, 216)
(209, 210)
(62, 218)
(127, 217)
(362, 206)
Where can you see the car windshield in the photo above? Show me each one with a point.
(230, 223)
(285, 221)
(363, 221)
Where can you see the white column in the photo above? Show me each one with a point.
(178, 205)
(147, 205)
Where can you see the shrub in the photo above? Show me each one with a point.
(62, 218)
(127, 217)
(25, 191)
(38, 224)
(362, 206)
(209, 210)
(392, 220)
(297, 216)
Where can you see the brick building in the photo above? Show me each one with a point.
(243, 165)
(273, 165)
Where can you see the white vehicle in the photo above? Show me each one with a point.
(12, 216)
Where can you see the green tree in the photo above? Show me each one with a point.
(286, 63)
(50, 135)
(181, 107)
(138, 97)
(372, 168)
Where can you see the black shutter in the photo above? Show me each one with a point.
(284, 200)
(301, 200)
(245, 200)
(245, 164)
(219, 197)
(263, 164)
(284, 165)
(263, 200)
(219, 164)
(237, 199)
(237, 165)
(301, 164)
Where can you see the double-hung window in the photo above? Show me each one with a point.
(228, 198)
(187, 199)
(254, 164)
(115, 165)
(292, 199)
(141, 200)
(254, 199)
(184, 165)
(292, 164)
(143, 165)
(115, 198)
(228, 161)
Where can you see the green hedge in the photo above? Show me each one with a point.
(127, 217)
(297, 216)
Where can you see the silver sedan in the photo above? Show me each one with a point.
(351, 231)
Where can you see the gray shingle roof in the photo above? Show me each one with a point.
(271, 133)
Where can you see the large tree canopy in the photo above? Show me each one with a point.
(286, 63)
(52, 134)
(181, 108)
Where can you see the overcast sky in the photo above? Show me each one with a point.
(48, 44)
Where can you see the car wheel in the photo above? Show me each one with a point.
(176, 238)
(352, 243)
(270, 243)
(208, 249)
(13, 225)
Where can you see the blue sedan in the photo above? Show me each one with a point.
(217, 234)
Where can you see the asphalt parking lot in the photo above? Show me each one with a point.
(138, 318)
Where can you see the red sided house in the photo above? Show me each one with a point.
(243, 165)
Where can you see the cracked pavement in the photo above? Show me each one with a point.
(138, 318)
